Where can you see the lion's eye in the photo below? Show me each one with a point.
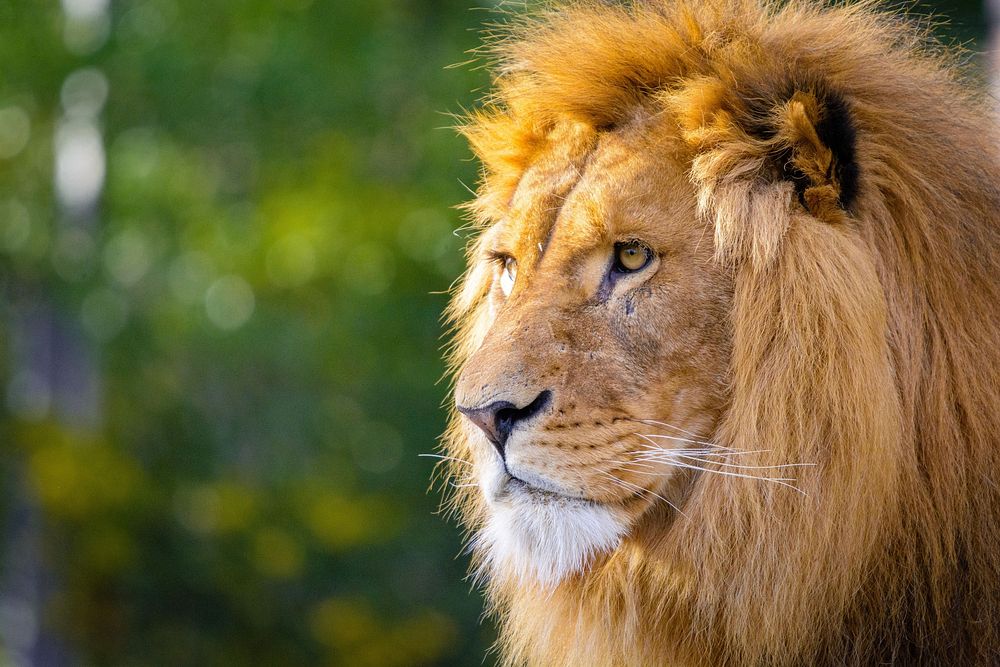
(631, 256)
(508, 275)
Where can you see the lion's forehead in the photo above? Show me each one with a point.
(598, 191)
(545, 189)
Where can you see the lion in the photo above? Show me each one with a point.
(727, 388)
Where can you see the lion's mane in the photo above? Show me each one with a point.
(865, 249)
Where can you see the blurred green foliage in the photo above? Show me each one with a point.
(217, 383)
(256, 297)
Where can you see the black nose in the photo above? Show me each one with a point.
(498, 419)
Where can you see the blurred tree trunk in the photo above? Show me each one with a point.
(54, 371)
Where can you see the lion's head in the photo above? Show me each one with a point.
(727, 386)
(609, 317)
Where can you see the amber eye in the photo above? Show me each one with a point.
(631, 256)
(508, 275)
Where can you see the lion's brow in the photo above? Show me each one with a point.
(557, 217)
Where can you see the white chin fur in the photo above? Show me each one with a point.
(545, 538)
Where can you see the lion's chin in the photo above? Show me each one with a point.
(542, 537)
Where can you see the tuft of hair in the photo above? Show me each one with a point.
(851, 179)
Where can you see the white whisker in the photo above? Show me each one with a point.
(637, 462)
(681, 457)
(737, 465)
(783, 481)
(693, 442)
(656, 454)
(676, 428)
(445, 458)
(655, 445)
(640, 490)
(701, 452)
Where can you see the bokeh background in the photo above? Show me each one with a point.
(225, 231)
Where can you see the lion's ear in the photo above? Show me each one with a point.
(760, 156)
(816, 138)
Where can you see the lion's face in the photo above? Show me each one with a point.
(607, 344)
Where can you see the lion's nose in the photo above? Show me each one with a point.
(498, 419)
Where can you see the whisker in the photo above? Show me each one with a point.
(700, 452)
(637, 462)
(652, 454)
(640, 490)
(445, 458)
(707, 453)
(664, 424)
(737, 465)
(694, 442)
(783, 481)
(671, 460)
(649, 439)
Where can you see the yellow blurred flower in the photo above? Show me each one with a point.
(341, 623)
(355, 636)
(75, 477)
(107, 549)
(223, 507)
(277, 554)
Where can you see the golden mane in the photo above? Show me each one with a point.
(865, 332)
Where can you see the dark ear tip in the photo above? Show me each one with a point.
(836, 129)
(830, 118)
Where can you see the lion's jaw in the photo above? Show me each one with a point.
(539, 536)
(633, 368)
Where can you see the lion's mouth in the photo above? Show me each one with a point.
(510, 487)
(535, 488)
(514, 483)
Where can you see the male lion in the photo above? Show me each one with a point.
(727, 348)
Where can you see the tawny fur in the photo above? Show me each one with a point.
(861, 337)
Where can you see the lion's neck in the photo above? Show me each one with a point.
(627, 610)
